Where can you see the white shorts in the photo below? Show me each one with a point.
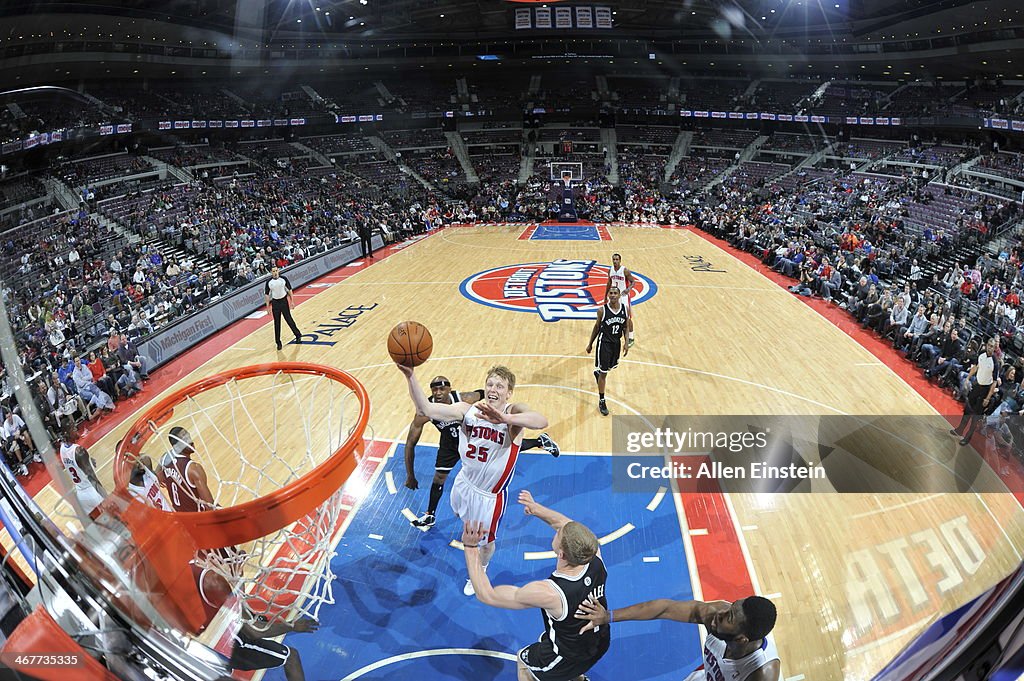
(89, 498)
(697, 675)
(472, 504)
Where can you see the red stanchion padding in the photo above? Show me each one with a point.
(40, 649)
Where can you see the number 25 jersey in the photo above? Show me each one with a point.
(487, 452)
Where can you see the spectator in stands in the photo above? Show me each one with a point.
(897, 318)
(877, 314)
(908, 333)
(127, 380)
(938, 352)
(54, 335)
(856, 301)
(87, 388)
(833, 285)
(13, 454)
(132, 359)
(63, 403)
(17, 435)
(865, 301)
(916, 275)
(100, 377)
(934, 333)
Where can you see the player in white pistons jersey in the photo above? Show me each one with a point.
(82, 472)
(737, 647)
(622, 279)
(144, 485)
(490, 438)
(487, 452)
(719, 667)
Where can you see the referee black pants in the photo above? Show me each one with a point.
(364, 242)
(974, 410)
(280, 308)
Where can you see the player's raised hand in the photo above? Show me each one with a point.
(592, 610)
(489, 413)
(408, 372)
(473, 533)
(526, 499)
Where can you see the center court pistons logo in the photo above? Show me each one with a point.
(561, 289)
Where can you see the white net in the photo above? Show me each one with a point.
(250, 437)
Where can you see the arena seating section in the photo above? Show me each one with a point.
(138, 255)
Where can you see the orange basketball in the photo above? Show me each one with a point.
(410, 344)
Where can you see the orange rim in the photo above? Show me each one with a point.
(261, 516)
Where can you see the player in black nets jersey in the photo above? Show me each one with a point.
(611, 322)
(448, 449)
(564, 652)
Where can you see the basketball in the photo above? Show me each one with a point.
(410, 344)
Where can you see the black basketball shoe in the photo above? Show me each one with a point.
(549, 445)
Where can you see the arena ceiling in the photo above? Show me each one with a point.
(489, 18)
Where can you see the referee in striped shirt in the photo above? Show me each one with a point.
(985, 373)
(278, 294)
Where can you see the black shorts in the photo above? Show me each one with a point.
(446, 460)
(606, 357)
(249, 654)
(545, 665)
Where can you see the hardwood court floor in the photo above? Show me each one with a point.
(854, 576)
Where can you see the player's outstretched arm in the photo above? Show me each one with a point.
(530, 507)
(197, 476)
(303, 624)
(432, 410)
(596, 330)
(472, 397)
(87, 466)
(518, 415)
(415, 430)
(532, 595)
(693, 612)
(522, 416)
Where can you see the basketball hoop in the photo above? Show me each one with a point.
(277, 442)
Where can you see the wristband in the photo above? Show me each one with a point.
(611, 616)
(470, 546)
